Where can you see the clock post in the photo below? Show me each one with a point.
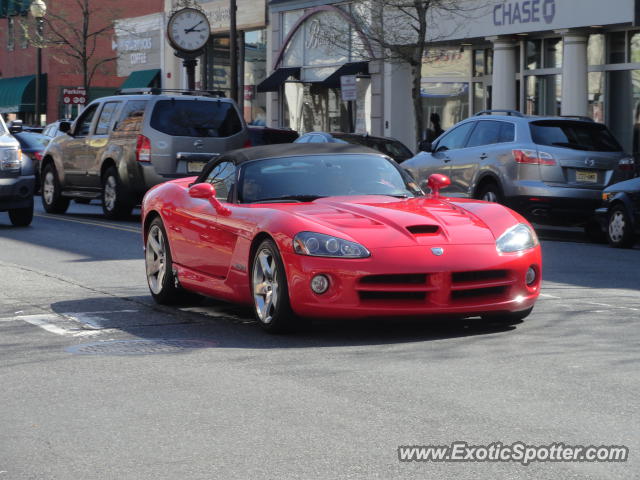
(188, 32)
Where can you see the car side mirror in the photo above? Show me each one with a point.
(425, 146)
(207, 192)
(436, 182)
(64, 127)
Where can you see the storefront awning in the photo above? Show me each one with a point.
(273, 82)
(142, 79)
(354, 68)
(17, 94)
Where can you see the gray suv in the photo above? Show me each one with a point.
(551, 169)
(121, 146)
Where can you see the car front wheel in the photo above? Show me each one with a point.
(269, 290)
(490, 192)
(115, 203)
(620, 229)
(21, 217)
(52, 199)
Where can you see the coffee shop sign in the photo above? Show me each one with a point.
(524, 11)
(320, 35)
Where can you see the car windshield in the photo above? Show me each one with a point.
(196, 118)
(306, 178)
(587, 136)
(393, 148)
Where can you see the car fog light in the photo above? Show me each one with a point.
(530, 278)
(319, 284)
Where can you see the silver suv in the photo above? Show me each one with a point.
(121, 146)
(551, 169)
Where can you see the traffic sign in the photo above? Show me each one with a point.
(74, 96)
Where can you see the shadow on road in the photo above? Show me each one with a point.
(230, 326)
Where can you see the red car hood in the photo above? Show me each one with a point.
(384, 222)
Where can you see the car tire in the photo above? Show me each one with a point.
(115, 201)
(52, 199)
(269, 290)
(158, 261)
(508, 318)
(490, 192)
(619, 228)
(21, 217)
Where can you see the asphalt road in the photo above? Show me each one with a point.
(209, 396)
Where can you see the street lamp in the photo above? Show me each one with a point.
(38, 10)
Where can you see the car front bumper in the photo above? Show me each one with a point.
(467, 280)
(16, 192)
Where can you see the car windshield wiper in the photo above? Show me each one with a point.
(289, 198)
(576, 146)
(396, 195)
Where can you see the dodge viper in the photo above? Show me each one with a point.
(304, 231)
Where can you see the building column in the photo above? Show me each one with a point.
(504, 74)
(575, 93)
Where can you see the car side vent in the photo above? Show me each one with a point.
(423, 229)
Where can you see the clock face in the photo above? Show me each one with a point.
(188, 30)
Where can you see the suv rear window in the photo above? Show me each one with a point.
(576, 135)
(195, 118)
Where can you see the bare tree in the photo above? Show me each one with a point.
(74, 36)
(401, 30)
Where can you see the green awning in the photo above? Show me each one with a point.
(18, 94)
(142, 79)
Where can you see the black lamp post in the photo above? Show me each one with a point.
(38, 10)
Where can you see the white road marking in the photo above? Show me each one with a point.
(549, 296)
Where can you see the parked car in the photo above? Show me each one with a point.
(619, 215)
(260, 135)
(53, 129)
(17, 180)
(389, 146)
(19, 126)
(120, 146)
(551, 169)
(33, 145)
(335, 231)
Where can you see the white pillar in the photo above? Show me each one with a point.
(574, 74)
(504, 74)
(399, 116)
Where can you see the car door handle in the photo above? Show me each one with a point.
(483, 156)
(446, 159)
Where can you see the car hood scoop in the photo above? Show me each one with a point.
(379, 223)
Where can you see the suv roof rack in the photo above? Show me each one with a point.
(160, 91)
(511, 113)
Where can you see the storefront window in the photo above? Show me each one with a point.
(478, 97)
(596, 96)
(216, 65)
(490, 61)
(313, 108)
(617, 42)
(10, 34)
(449, 100)
(543, 95)
(553, 53)
(534, 54)
(478, 63)
(255, 71)
(595, 49)
(634, 46)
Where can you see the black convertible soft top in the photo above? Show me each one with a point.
(293, 149)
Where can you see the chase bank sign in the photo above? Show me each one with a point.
(524, 11)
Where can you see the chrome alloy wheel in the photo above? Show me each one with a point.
(156, 259)
(265, 285)
(490, 197)
(110, 186)
(617, 226)
(48, 187)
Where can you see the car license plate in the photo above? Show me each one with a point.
(195, 167)
(586, 177)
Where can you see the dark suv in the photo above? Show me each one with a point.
(121, 146)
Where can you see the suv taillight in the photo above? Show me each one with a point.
(627, 164)
(247, 143)
(532, 157)
(143, 149)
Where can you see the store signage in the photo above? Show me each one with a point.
(74, 96)
(249, 14)
(524, 11)
(348, 88)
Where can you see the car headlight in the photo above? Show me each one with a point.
(321, 245)
(515, 239)
(10, 159)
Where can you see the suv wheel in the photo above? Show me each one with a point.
(490, 192)
(619, 231)
(115, 203)
(52, 199)
(21, 217)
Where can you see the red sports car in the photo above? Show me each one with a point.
(333, 230)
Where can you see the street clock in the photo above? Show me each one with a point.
(188, 30)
